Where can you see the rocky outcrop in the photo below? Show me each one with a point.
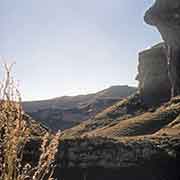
(165, 15)
(114, 153)
(104, 158)
(154, 83)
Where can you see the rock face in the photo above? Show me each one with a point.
(104, 158)
(165, 15)
(154, 83)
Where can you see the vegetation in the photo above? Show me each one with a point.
(15, 133)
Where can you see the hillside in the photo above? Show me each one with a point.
(65, 112)
(131, 117)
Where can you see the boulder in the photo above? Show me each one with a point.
(154, 83)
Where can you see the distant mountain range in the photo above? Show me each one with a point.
(68, 111)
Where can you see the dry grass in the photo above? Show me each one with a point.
(148, 123)
(14, 134)
(13, 129)
(130, 117)
(121, 111)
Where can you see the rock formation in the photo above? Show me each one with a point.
(165, 15)
(154, 83)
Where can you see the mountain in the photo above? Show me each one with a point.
(67, 111)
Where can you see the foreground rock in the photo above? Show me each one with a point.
(104, 158)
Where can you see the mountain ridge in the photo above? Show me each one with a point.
(67, 111)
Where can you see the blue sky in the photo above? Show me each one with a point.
(69, 47)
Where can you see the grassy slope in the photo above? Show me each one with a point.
(131, 118)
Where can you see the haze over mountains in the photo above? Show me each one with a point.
(67, 111)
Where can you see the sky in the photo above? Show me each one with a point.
(70, 47)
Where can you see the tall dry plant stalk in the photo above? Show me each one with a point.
(14, 134)
(46, 164)
(14, 131)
